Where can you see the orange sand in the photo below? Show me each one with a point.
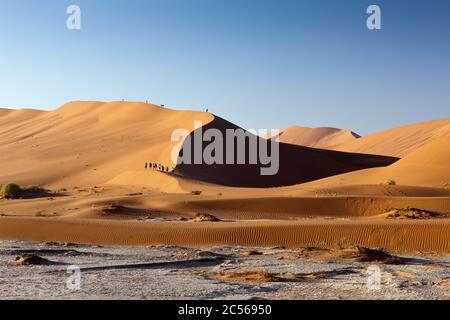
(93, 154)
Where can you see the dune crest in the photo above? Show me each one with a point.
(428, 166)
(11, 117)
(321, 138)
(88, 143)
(398, 142)
(296, 164)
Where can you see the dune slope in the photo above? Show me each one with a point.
(297, 164)
(90, 143)
(428, 166)
(398, 142)
(321, 138)
(87, 143)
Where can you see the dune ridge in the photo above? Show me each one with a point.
(427, 166)
(297, 164)
(398, 142)
(321, 138)
(88, 143)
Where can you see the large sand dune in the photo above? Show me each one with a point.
(87, 143)
(297, 164)
(395, 142)
(427, 166)
(398, 142)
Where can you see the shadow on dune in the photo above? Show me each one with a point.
(297, 164)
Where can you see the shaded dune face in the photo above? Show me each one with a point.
(297, 164)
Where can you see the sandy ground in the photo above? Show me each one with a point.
(118, 215)
(169, 272)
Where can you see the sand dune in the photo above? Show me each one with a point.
(398, 142)
(427, 166)
(321, 138)
(10, 117)
(154, 180)
(88, 143)
(395, 142)
(297, 164)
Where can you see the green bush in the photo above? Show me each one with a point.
(10, 191)
(14, 191)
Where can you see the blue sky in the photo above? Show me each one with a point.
(260, 64)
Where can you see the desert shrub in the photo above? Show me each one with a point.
(14, 191)
(33, 189)
(390, 182)
(10, 191)
(205, 217)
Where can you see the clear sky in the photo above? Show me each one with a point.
(258, 63)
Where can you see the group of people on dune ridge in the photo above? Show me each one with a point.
(159, 167)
